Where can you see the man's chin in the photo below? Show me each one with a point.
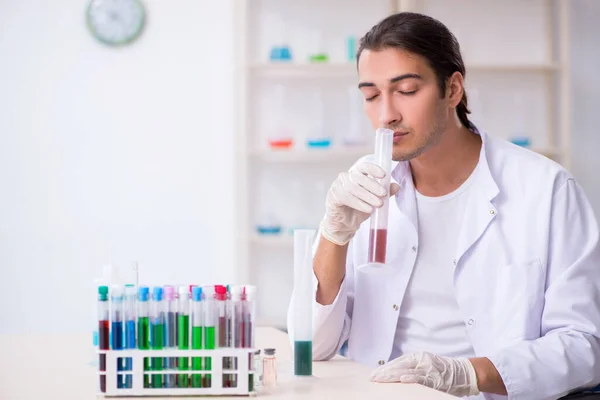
(406, 155)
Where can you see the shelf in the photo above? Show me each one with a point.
(312, 155)
(342, 154)
(282, 240)
(512, 67)
(299, 70)
(348, 70)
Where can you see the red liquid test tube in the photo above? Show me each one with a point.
(384, 141)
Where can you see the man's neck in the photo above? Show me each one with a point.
(446, 166)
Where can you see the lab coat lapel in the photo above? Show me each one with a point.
(405, 199)
(405, 212)
(479, 211)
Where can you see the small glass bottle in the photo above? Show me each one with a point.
(257, 369)
(269, 369)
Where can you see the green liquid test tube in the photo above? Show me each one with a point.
(157, 334)
(196, 334)
(183, 332)
(143, 327)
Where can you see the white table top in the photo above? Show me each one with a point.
(56, 366)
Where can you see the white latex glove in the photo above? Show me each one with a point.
(351, 199)
(455, 376)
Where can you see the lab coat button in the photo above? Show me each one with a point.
(492, 212)
(381, 362)
(414, 248)
(454, 262)
(471, 322)
(395, 307)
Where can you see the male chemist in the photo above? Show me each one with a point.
(495, 249)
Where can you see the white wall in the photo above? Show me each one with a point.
(585, 56)
(129, 149)
(112, 148)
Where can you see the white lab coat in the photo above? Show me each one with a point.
(526, 276)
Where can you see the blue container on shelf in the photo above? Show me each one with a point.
(319, 143)
(351, 48)
(280, 53)
(268, 229)
(522, 141)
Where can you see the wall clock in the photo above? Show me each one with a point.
(116, 22)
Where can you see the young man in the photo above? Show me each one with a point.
(495, 249)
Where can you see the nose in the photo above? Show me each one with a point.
(388, 114)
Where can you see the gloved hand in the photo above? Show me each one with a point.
(351, 199)
(455, 376)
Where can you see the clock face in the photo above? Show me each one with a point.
(115, 22)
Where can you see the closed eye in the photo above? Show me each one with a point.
(407, 93)
(371, 98)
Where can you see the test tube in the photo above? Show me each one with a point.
(248, 313)
(379, 218)
(116, 295)
(235, 330)
(157, 332)
(197, 326)
(210, 316)
(103, 331)
(183, 337)
(143, 328)
(303, 301)
(170, 334)
(129, 317)
(221, 307)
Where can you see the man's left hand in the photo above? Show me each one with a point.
(455, 376)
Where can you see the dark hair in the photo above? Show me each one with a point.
(427, 37)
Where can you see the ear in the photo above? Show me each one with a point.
(454, 89)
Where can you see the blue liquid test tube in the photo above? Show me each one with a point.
(117, 328)
(130, 334)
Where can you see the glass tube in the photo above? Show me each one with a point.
(379, 219)
(303, 301)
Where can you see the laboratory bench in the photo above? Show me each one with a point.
(63, 366)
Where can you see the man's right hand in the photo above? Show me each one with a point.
(351, 200)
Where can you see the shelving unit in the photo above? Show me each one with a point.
(501, 64)
(315, 155)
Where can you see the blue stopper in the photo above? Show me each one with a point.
(196, 293)
(143, 293)
(157, 293)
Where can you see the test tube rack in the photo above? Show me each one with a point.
(243, 368)
(244, 372)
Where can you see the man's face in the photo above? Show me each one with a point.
(401, 93)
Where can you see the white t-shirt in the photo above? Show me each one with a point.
(429, 318)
